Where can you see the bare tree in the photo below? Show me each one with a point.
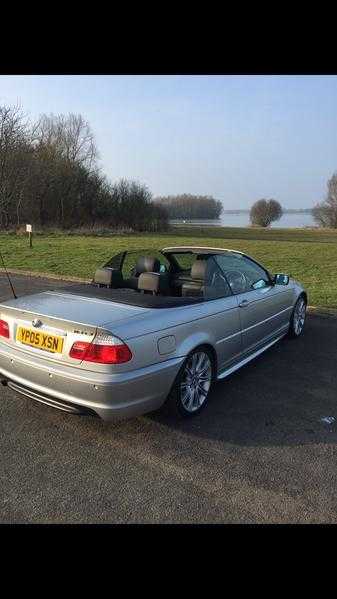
(70, 139)
(22, 170)
(12, 136)
(69, 136)
(264, 212)
(49, 176)
(325, 213)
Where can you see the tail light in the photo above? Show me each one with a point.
(104, 349)
(4, 329)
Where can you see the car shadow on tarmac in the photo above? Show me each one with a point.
(279, 398)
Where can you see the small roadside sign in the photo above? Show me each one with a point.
(29, 230)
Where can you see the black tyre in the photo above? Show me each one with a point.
(297, 319)
(190, 392)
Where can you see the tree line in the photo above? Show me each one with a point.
(188, 206)
(49, 177)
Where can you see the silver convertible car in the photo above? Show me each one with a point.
(152, 328)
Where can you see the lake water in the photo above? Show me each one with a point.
(242, 220)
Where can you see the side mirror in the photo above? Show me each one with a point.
(281, 279)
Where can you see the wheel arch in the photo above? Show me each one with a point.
(304, 295)
(207, 345)
(170, 405)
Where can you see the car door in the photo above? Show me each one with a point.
(223, 316)
(264, 308)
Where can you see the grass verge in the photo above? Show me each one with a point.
(307, 255)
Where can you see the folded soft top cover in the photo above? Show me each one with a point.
(128, 296)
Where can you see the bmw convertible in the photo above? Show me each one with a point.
(153, 328)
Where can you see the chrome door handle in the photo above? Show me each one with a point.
(244, 303)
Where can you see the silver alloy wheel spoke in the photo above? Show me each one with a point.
(196, 381)
(204, 378)
(202, 390)
(200, 363)
(191, 399)
(194, 362)
(188, 371)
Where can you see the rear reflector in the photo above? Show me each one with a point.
(105, 349)
(4, 329)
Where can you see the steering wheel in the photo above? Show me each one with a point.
(237, 281)
(217, 277)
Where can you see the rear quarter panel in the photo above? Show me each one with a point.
(214, 322)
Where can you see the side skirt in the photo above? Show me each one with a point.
(238, 365)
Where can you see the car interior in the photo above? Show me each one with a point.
(150, 275)
(167, 279)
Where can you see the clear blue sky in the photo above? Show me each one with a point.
(238, 138)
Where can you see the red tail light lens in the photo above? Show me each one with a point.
(4, 329)
(105, 349)
(79, 349)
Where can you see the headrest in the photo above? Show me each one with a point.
(108, 277)
(147, 264)
(198, 270)
(149, 281)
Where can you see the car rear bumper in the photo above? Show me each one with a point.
(109, 396)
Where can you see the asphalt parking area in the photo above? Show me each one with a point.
(260, 452)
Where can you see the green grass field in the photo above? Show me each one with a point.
(308, 255)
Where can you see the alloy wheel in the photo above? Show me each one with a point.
(196, 381)
(299, 316)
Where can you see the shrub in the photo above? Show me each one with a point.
(264, 212)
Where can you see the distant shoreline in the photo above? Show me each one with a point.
(240, 218)
(238, 212)
(285, 211)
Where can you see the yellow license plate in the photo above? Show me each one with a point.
(51, 343)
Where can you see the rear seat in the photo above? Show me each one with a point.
(108, 277)
(144, 264)
(154, 282)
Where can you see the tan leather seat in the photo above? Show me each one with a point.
(143, 264)
(196, 286)
(153, 282)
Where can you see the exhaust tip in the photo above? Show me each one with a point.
(4, 382)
